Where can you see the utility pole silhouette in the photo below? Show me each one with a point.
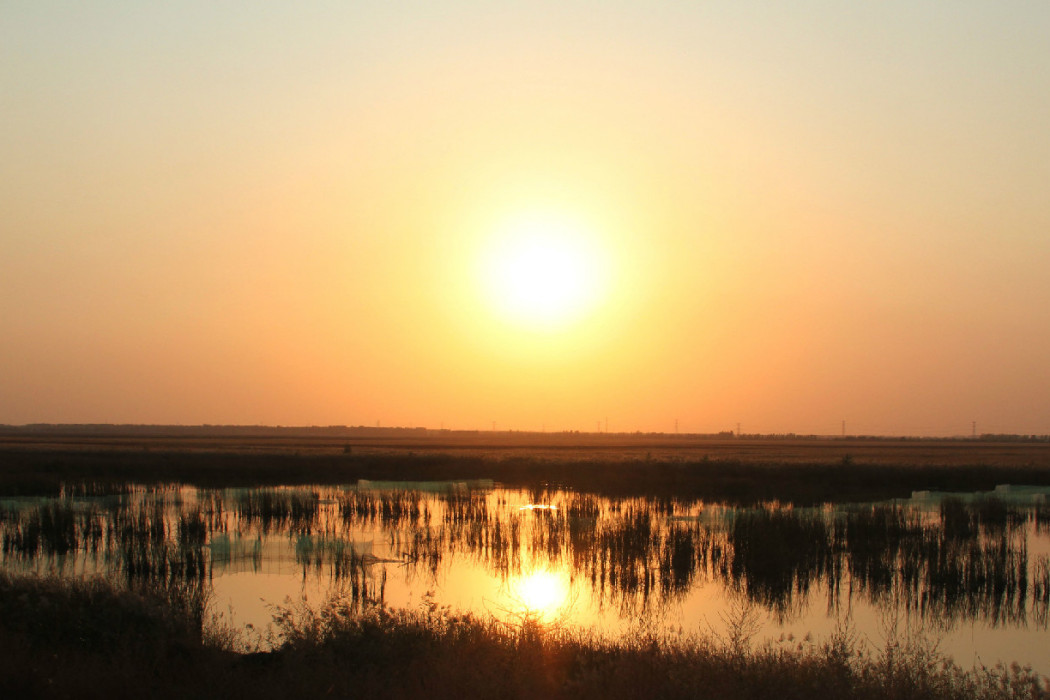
(675, 426)
(738, 430)
(974, 429)
(843, 428)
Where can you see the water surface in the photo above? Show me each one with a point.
(967, 571)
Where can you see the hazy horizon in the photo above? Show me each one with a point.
(546, 215)
(339, 431)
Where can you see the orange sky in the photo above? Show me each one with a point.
(790, 214)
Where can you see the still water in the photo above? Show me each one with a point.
(969, 571)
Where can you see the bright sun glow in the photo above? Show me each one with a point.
(544, 270)
(542, 593)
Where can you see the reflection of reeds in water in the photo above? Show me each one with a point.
(984, 575)
(147, 548)
(581, 505)
(97, 489)
(226, 551)
(56, 528)
(1041, 591)
(466, 507)
(684, 549)
(877, 541)
(349, 563)
(390, 509)
(970, 563)
(967, 560)
(192, 529)
(51, 529)
(211, 507)
(634, 552)
(957, 520)
(133, 537)
(972, 580)
(777, 555)
(626, 550)
(275, 510)
(422, 549)
(1041, 515)
(987, 515)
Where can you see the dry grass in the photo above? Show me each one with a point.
(77, 639)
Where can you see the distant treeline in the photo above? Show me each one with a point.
(363, 431)
(983, 437)
(206, 430)
(1008, 437)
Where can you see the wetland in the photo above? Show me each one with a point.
(962, 576)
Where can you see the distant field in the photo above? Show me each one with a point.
(571, 447)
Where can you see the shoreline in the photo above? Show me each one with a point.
(792, 472)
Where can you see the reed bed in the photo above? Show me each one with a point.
(969, 562)
(390, 509)
(292, 510)
(811, 476)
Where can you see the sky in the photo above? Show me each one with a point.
(535, 215)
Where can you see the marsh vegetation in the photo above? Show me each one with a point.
(941, 561)
(733, 471)
(543, 579)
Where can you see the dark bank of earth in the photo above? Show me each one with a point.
(45, 471)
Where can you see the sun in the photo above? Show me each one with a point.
(544, 270)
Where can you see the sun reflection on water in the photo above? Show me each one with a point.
(542, 596)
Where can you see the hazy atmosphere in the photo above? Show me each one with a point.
(536, 215)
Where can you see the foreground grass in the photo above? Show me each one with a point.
(86, 639)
